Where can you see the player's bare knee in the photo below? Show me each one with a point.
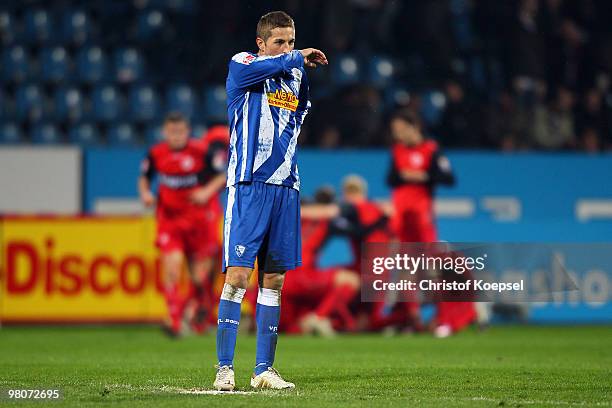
(273, 280)
(238, 276)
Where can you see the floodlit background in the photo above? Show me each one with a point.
(517, 93)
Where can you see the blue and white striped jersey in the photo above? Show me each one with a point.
(267, 100)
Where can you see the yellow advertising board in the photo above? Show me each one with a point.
(79, 269)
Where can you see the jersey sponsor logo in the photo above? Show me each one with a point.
(240, 250)
(176, 182)
(273, 329)
(283, 99)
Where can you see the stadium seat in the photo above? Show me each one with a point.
(15, 64)
(150, 24)
(6, 106)
(92, 65)
(76, 27)
(181, 98)
(84, 134)
(122, 134)
(433, 104)
(54, 64)
(346, 70)
(10, 133)
(38, 27)
(144, 103)
(7, 28)
(215, 103)
(128, 65)
(107, 104)
(153, 134)
(30, 104)
(69, 104)
(46, 133)
(380, 71)
(396, 96)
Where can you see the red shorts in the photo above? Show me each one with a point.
(198, 237)
(415, 225)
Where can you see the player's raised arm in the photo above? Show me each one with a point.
(246, 69)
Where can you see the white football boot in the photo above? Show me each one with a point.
(224, 381)
(270, 379)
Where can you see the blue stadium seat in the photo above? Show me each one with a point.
(346, 70)
(76, 27)
(46, 133)
(150, 24)
(432, 106)
(381, 71)
(153, 134)
(92, 65)
(10, 133)
(128, 65)
(30, 104)
(144, 103)
(122, 134)
(107, 104)
(16, 66)
(69, 104)
(6, 106)
(8, 29)
(215, 103)
(181, 98)
(85, 134)
(38, 26)
(396, 96)
(54, 64)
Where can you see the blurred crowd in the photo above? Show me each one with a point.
(506, 74)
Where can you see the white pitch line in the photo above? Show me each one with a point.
(212, 392)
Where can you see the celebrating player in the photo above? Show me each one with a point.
(267, 97)
(417, 166)
(189, 175)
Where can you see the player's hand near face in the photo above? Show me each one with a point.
(313, 57)
(147, 198)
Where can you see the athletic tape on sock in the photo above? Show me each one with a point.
(232, 293)
(269, 297)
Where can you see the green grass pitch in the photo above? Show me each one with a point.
(138, 367)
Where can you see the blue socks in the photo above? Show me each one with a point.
(267, 317)
(227, 323)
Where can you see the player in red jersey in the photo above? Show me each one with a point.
(188, 178)
(216, 144)
(417, 167)
(313, 296)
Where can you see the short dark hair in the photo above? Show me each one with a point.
(408, 116)
(175, 117)
(273, 20)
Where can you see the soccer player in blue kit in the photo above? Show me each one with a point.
(267, 98)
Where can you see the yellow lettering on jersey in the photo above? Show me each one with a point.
(283, 99)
